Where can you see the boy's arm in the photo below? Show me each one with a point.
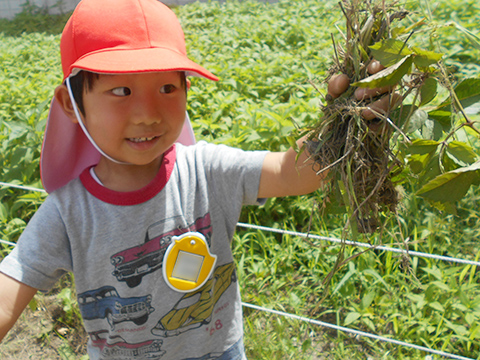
(14, 297)
(285, 175)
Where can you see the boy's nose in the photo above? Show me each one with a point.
(147, 111)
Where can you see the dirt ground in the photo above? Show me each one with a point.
(40, 334)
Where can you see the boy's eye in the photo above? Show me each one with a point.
(121, 91)
(167, 89)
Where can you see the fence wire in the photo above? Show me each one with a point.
(333, 240)
(360, 244)
(357, 332)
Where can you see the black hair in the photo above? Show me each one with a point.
(81, 82)
(85, 80)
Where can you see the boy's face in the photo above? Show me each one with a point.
(135, 118)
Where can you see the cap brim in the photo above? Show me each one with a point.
(118, 61)
(66, 151)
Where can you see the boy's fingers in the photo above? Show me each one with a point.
(337, 85)
(382, 106)
(374, 67)
(366, 93)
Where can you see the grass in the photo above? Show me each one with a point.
(429, 303)
(266, 56)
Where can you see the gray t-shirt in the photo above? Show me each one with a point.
(115, 244)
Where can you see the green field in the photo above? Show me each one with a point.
(272, 60)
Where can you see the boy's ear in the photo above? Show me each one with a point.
(61, 95)
(189, 83)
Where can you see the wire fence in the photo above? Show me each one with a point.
(364, 245)
(332, 240)
(357, 332)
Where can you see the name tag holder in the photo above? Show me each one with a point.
(188, 262)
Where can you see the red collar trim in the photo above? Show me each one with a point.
(133, 197)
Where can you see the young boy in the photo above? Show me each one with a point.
(144, 223)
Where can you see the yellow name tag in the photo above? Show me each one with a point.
(188, 262)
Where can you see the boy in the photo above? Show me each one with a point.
(144, 223)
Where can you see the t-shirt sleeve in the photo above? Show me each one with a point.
(234, 172)
(42, 254)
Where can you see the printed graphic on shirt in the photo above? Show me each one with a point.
(116, 348)
(132, 264)
(235, 352)
(105, 303)
(195, 309)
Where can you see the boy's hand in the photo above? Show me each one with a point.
(285, 174)
(377, 107)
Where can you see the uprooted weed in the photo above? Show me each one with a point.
(357, 153)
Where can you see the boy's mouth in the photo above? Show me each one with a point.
(142, 139)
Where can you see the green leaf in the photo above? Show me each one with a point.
(16, 131)
(435, 272)
(423, 158)
(368, 299)
(431, 169)
(401, 114)
(458, 329)
(424, 58)
(33, 305)
(470, 319)
(295, 300)
(307, 344)
(390, 51)
(468, 93)
(437, 306)
(446, 207)
(369, 323)
(351, 317)
(421, 146)
(3, 213)
(254, 136)
(389, 76)
(428, 91)
(432, 129)
(342, 282)
(451, 186)
(417, 162)
(376, 275)
(417, 120)
(462, 152)
(444, 117)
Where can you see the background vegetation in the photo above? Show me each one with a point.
(267, 57)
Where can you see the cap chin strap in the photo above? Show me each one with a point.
(82, 125)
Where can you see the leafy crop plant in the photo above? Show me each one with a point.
(369, 153)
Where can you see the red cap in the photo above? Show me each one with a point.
(125, 36)
(112, 37)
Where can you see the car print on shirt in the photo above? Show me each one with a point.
(105, 303)
(115, 348)
(133, 264)
(195, 309)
